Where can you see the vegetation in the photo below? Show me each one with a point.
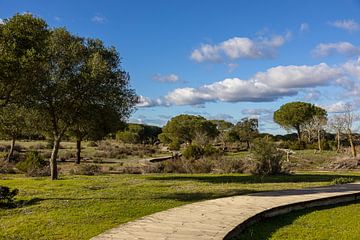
(293, 115)
(334, 222)
(79, 207)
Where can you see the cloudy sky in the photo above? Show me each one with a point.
(225, 59)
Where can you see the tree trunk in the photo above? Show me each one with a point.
(11, 152)
(298, 133)
(338, 141)
(247, 145)
(353, 150)
(78, 151)
(54, 154)
(319, 140)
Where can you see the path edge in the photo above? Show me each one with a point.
(280, 210)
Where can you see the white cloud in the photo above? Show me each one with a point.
(166, 78)
(256, 111)
(349, 25)
(326, 49)
(98, 18)
(312, 95)
(304, 27)
(265, 86)
(232, 67)
(147, 102)
(56, 18)
(337, 107)
(239, 47)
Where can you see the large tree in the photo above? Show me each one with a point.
(79, 73)
(94, 123)
(294, 114)
(187, 128)
(22, 45)
(247, 130)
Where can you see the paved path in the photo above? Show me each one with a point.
(213, 219)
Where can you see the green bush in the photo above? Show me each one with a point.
(7, 196)
(342, 180)
(267, 158)
(193, 152)
(210, 150)
(32, 160)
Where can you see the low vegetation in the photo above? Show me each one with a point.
(334, 222)
(79, 207)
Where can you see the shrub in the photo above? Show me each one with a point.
(342, 180)
(32, 160)
(267, 158)
(296, 145)
(174, 146)
(87, 169)
(6, 167)
(193, 152)
(224, 165)
(38, 171)
(7, 196)
(210, 150)
(92, 144)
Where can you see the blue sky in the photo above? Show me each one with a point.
(221, 59)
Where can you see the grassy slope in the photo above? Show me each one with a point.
(79, 207)
(336, 222)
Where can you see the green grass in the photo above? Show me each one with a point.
(335, 222)
(79, 207)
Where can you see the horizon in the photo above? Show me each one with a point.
(222, 60)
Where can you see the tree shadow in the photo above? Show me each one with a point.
(268, 226)
(199, 196)
(253, 179)
(20, 203)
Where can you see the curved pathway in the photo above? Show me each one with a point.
(215, 219)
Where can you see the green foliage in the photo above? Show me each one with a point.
(193, 151)
(7, 196)
(139, 133)
(32, 160)
(23, 42)
(247, 130)
(188, 128)
(343, 180)
(267, 158)
(292, 115)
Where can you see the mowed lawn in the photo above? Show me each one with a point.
(340, 222)
(79, 207)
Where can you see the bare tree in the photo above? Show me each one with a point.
(337, 124)
(348, 118)
(314, 128)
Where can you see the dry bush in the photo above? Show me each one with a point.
(7, 167)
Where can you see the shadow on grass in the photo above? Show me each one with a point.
(199, 196)
(251, 179)
(20, 203)
(266, 228)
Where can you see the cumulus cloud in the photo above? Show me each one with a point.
(312, 95)
(98, 18)
(265, 86)
(326, 49)
(147, 102)
(172, 78)
(239, 47)
(304, 27)
(349, 25)
(338, 107)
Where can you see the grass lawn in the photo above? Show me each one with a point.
(335, 222)
(79, 207)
